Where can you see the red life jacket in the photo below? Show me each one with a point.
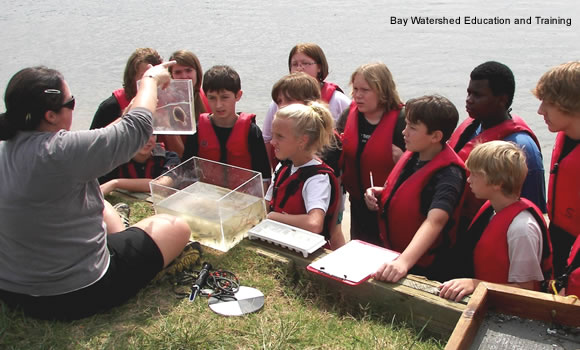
(287, 194)
(563, 189)
(403, 205)
(491, 255)
(328, 90)
(153, 167)
(573, 287)
(377, 156)
(121, 99)
(238, 152)
(498, 132)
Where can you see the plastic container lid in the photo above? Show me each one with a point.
(287, 236)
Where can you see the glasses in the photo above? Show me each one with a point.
(301, 64)
(70, 104)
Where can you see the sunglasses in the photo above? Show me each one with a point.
(70, 104)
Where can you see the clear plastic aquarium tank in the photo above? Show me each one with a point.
(220, 202)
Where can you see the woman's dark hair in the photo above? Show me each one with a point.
(29, 94)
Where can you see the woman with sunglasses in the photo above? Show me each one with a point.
(64, 251)
(310, 59)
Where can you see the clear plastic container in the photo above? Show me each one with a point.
(220, 202)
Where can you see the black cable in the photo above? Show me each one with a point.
(224, 284)
(220, 284)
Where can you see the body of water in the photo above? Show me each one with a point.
(90, 41)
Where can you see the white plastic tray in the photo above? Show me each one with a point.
(287, 236)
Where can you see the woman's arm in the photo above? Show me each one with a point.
(154, 76)
(115, 144)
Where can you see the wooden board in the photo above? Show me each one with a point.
(413, 299)
(511, 301)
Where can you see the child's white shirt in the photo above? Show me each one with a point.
(316, 191)
(524, 239)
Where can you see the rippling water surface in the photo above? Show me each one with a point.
(90, 41)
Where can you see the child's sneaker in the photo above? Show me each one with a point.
(124, 211)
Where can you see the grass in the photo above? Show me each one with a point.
(296, 315)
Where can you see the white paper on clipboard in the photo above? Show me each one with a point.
(353, 263)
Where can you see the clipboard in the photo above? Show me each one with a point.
(352, 263)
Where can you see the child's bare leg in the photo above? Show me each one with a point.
(170, 233)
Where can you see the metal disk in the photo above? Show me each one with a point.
(248, 300)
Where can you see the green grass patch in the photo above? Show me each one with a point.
(297, 315)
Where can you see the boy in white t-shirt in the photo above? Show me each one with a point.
(507, 241)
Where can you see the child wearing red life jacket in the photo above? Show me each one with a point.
(187, 66)
(304, 190)
(489, 98)
(148, 163)
(301, 88)
(510, 240)
(559, 91)
(226, 136)
(112, 108)
(371, 142)
(309, 59)
(419, 203)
